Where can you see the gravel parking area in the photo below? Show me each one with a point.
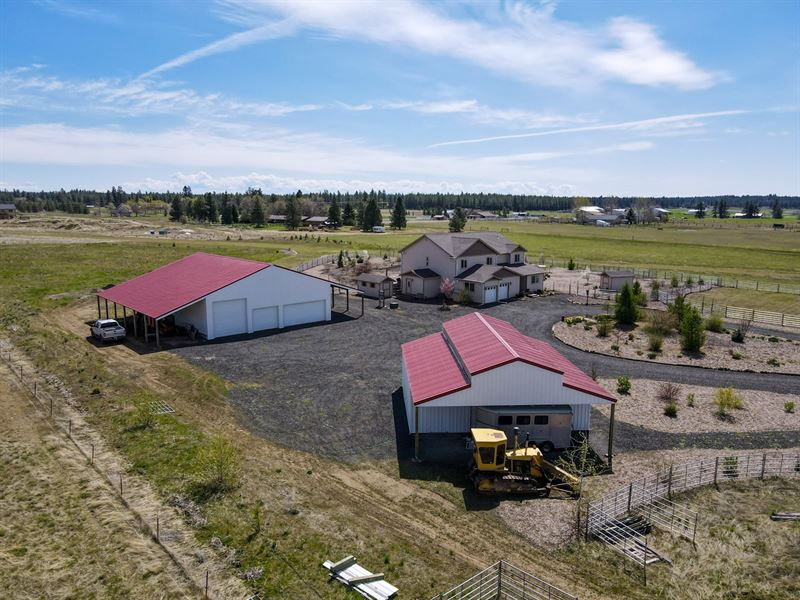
(332, 388)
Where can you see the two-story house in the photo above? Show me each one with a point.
(488, 265)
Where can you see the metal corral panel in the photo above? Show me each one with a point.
(229, 317)
(581, 417)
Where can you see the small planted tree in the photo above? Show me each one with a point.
(673, 283)
(340, 260)
(693, 334)
(571, 264)
(626, 310)
(446, 287)
(218, 466)
(638, 294)
(740, 333)
(623, 384)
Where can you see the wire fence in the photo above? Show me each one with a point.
(504, 581)
(331, 259)
(160, 527)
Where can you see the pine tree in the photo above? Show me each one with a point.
(211, 209)
(257, 215)
(176, 212)
(234, 213)
(334, 213)
(372, 214)
(701, 210)
(347, 217)
(399, 214)
(626, 311)
(777, 210)
(458, 220)
(630, 216)
(227, 217)
(692, 329)
(293, 216)
(340, 259)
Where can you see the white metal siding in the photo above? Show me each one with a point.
(455, 419)
(581, 417)
(265, 318)
(229, 317)
(303, 312)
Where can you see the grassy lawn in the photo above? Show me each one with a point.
(772, 301)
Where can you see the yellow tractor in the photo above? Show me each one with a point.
(523, 470)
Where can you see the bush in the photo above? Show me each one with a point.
(788, 406)
(737, 336)
(604, 328)
(638, 294)
(671, 410)
(773, 339)
(218, 466)
(736, 355)
(651, 355)
(701, 281)
(570, 321)
(668, 392)
(631, 337)
(571, 264)
(655, 288)
(623, 384)
(773, 362)
(689, 281)
(727, 399)
(626, 311)
(587, 327)
(659, 321)
(615, 347)
(714, 323)
(693, 335)
(690, 400)
(673, 283)
(677, 309)
(655, 341)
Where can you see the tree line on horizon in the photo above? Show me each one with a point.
(247, 206)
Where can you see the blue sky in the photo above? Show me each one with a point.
(575, 98)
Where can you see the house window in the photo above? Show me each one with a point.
(516, 258)
(463, 263)
(427, 261)
(524, 420)
(504, 420)
(541, 420)
(534, 279)
(408, 283)
(488, 260)
(372, 284)
(470, 286)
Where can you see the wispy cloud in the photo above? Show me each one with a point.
(234, 41)
(519, 40)
(78, 10)
(485, 115)
(672, 121)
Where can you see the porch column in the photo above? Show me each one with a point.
(611, 438)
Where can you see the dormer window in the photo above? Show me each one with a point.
(516, 258)
(489, 260)
(463, 263)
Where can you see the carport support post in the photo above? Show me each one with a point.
(348, 302)
(99, 315)
(125, 316)
(115, 312)
(135, 333)
(158, 342)
(362, 305)
(144, 320)
(611, 439)
(416, 433)
(106, 300)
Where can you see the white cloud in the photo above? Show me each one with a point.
(78, 10)
(512, 39)
(485, 115)
(671, 122)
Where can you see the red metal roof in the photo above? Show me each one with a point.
(182, 282)
(482, 343)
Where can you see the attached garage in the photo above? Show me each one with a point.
(219, 296)
(478, 366)
(301, 313)
(490, 293)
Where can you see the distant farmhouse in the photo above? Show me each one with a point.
(486, 266)
(8, 211)
(596, 215)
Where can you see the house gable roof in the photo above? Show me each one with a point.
(482, 273)
(422, 273)
(481, 343)
(180, 283)
(456, 244)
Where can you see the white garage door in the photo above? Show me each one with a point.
(265, 318)
(230, 317)
(303, 312)
(490, 294)
(503, 291)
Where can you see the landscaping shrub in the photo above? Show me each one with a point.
(693, 335)
(604, 328)
(714, 323)
(218, 466)
(673, 283)
(571, 264)
(671, 410)
(773, 362)
(773, 339)
(740, 333)
(651, 355)
(655, 288)
(737, 336)
(788, 406)
(727, 399)
(631, 337)
(736, 355)
(655, 341)
(668, 392)
(659, 321)
(690, 400)
(615, 347)
(689, 281)
(626, 311)
(570, 321)
(701, 281)
(587, 327)
(677, 309)
(623, 384)
(638, 294)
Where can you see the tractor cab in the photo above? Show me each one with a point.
(490, 449)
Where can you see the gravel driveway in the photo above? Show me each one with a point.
(328, 388)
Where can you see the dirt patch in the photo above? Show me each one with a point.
(763, 411)
(719, 351)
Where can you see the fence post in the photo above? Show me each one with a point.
(763, 464)
(499, 578)
(716, 470)
(630, 494)
(669, 484)
(206, 592)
